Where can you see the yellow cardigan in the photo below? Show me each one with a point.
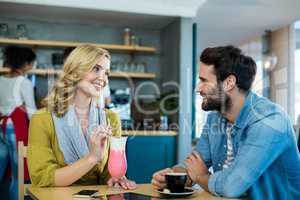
(44, 155)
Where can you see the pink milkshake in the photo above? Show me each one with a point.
(117, 163)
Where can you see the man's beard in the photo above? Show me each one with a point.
(216, 100)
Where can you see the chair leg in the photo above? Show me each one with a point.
(20, 171)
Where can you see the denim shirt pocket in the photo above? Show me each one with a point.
(219, 149)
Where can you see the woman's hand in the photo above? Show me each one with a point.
(123, 182)
(98, 142)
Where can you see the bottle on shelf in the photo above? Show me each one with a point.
(163, 122)
(126, 36)
(132, 40)
(1, 60)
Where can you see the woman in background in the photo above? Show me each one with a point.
(16, 90)
(68, 140)
(16, 107)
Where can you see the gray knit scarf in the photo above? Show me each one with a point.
(73, 143)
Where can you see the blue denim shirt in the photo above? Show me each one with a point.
(266, 159)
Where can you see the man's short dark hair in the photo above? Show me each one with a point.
(229, 60)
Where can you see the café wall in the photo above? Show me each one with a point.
(282, 77)
(278, 84)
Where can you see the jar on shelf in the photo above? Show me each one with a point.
(126, 36)
(119, 66)
(22, 31)
(3, 30)
(126, 67)
(133, 67)
(141, 67)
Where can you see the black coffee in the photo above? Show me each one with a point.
(176, 182)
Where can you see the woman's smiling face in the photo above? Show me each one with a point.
(93, 83)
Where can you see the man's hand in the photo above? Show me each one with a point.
(195, 166)
(158, 178)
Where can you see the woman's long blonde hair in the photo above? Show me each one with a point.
(81, 60)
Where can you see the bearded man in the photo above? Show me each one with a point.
(247, 140)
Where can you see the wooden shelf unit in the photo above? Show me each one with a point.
(62, 44)
(44, 72)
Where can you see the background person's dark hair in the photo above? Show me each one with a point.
(229, 60)
(16, 57)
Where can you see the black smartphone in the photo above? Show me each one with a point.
(86, 193)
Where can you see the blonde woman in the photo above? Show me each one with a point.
(68, 141)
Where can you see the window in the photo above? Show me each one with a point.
(258, 84)
(297, 84)
(297, 71)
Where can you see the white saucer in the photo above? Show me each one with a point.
(187, 192)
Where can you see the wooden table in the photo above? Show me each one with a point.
(65, 193)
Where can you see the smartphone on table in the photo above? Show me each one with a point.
(94, 194)
(86, 194)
